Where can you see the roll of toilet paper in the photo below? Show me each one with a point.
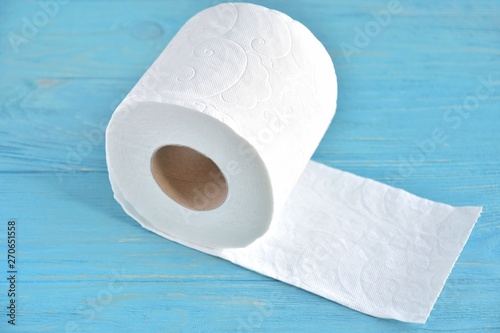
(212, 149)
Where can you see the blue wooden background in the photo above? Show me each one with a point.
(85, 266)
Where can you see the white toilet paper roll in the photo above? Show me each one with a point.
(208, 146)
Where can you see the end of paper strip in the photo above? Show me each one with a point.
(475, 213)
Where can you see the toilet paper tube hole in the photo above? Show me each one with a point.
(188, 177)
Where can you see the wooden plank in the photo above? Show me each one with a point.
(74, 240)
(59, 90)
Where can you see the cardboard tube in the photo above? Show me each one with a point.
(188, 177)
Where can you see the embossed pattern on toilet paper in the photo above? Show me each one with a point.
(361, 243)
(251, 68)
(268, 82)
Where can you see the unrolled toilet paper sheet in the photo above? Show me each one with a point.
(363, 244)
(254, 91)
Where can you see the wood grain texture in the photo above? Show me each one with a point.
(85, 266)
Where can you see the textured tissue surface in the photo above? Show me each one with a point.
(241, 74)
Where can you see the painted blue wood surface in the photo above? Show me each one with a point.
(85, 266)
